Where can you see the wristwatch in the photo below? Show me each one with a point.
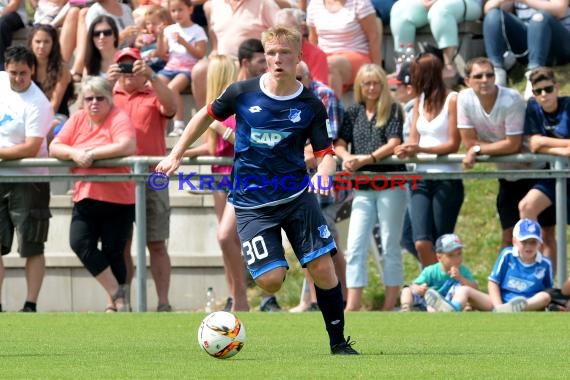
(477, 149)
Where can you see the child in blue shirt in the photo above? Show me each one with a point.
(443, 277)
(518, 280)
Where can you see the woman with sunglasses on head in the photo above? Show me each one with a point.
(373, 128)
(103, 41)
(435, 203)
(102, 211)
(51, 72)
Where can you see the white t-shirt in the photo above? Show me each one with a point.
(506, 117)
(178, 57)
(433, 133)
(23, 114)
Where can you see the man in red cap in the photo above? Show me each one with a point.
(150, 103)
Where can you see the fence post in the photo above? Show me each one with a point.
(560, 163)
(140, 235)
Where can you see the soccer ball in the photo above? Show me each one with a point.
(221, 335)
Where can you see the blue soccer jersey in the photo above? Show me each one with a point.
(271, 132)
(516, 278)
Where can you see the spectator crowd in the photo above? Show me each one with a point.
(105, 79)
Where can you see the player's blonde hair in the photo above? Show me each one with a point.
(280, 33)
(385, 101)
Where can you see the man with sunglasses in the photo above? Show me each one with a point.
(149, 103)
(490, 119)
(25, 120)
(547, 125)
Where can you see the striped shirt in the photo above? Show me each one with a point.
(340, 31)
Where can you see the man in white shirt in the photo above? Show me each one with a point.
(490, 119)
(25, 120)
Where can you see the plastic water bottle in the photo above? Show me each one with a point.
(400, 57)
(410, 53)
(210, 300)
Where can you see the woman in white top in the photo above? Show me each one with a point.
(435, 204)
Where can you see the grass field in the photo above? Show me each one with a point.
(286, 346)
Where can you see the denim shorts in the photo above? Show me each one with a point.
(170, 74)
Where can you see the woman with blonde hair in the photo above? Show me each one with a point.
(222, 71)
(102, 211)
(373, 128)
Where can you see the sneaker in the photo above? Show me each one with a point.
(435, 300)
(344, 348)
(270, 305)
(176, 132)
(229, 304)
(164, 308)
(528, 88)
(500, 77)
(515, 305)
(26, 309)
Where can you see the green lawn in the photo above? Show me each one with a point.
(283, 345)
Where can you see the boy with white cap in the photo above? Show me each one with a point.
(518, 280)
(442, 278)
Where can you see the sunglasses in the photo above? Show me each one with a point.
(104, 32)
(90, 99)
(481, 75)
(546, 89)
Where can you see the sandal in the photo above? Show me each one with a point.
(76, 77)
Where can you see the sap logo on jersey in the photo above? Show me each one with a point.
(267, 137)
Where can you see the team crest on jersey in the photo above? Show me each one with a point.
(539, 273)
(294, 115)
(267, 137)
(324, 231)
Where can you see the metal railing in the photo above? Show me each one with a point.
(140, 171)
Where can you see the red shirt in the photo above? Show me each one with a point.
(77, 133)
(150, 124)
(316, 59)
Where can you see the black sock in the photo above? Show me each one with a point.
(330, 303)
(0, 307)
(31, 305)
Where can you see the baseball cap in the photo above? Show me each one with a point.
(527, 229)
(448, 243)
(128, 52)
(402, 77)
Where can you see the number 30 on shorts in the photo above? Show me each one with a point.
(255, 249)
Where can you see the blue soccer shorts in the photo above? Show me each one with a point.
(303, 222)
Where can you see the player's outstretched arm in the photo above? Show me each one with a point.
(195, 128)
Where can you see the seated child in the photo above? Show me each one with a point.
(442, 278)
(518, 280)
(155, 19)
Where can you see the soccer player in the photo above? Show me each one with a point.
(278, 106)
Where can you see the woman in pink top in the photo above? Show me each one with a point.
(102, 211)
(349, 33)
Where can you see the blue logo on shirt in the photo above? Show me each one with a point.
(295, 115)
(5, 119)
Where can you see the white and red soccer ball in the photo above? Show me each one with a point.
(221, 334)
